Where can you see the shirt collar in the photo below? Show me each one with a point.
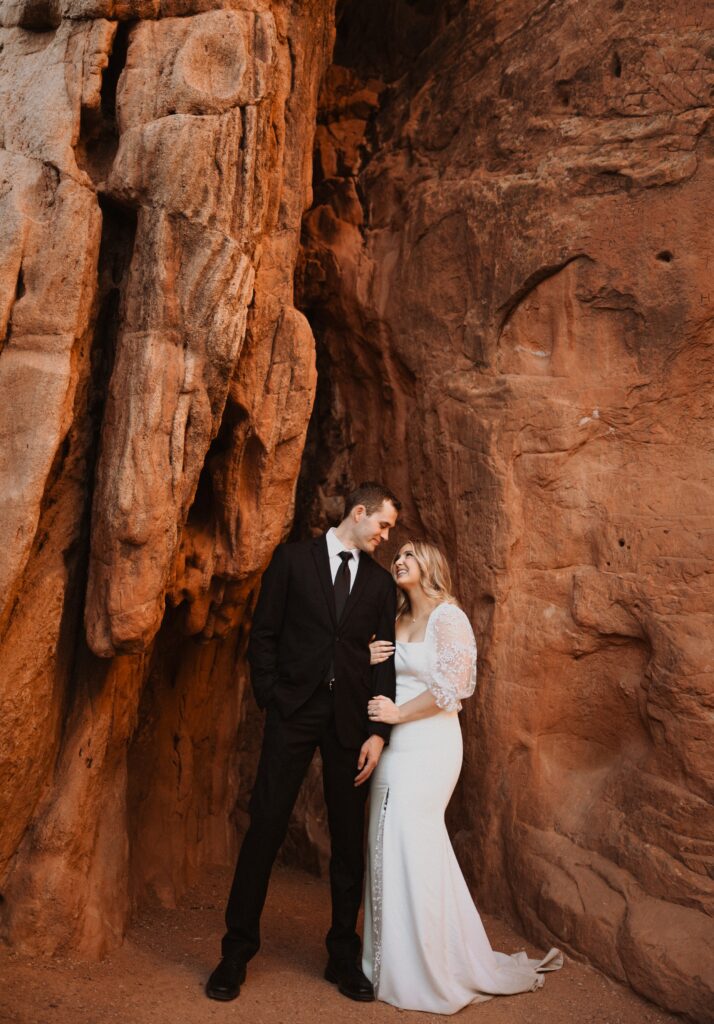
(334, 546)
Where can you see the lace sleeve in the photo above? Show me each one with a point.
(452, 650)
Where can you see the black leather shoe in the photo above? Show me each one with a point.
(350, 980)
(225, 982)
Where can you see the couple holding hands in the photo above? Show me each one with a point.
(385, 718)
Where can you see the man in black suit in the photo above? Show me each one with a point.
(320, 603)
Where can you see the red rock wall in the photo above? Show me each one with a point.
(156, 382)
(506, 267)
(508, 270)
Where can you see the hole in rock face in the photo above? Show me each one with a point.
(621, 542)
(616, 65)
(20, 286)
(384, 39)
(115, 253)
(117, 62)
(614, 180)
(20, 290)
(210, 495)
(563, 93)
(40, 15)
(98, 134)
(665, 256)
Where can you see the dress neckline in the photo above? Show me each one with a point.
(426, 627)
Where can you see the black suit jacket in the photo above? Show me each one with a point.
(296, 636)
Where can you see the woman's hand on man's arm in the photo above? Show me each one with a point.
(380, 650)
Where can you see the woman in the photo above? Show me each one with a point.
(424, 945)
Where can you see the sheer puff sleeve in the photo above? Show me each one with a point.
(452, 657)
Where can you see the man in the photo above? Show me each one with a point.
(320, 603)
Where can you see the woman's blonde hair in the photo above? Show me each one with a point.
(434, 570)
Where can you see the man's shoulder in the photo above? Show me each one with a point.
(379, 571)
(298, 548)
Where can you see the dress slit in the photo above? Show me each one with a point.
(425, 946)
(378, 895)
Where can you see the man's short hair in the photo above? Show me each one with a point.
(372, 495)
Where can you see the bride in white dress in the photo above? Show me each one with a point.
(425, 947)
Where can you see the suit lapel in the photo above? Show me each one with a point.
(363, 570)
(322, 561)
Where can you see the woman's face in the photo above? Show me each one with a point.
(405, 569)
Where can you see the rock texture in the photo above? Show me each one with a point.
(508, 269)
(156, 385)
(506, 265)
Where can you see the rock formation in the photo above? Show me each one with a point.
(505, 264)
(507, 268)
(156, 385)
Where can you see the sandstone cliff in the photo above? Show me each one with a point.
(156, 386)
(508, 270)
(506, 266)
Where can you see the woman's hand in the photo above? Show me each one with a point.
(380, 650)
(382, 709)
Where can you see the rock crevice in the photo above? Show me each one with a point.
(489, 274)
(153, 174)
(500, 268)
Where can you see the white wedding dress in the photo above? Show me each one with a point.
(425, 947)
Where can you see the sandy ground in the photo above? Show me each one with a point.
(157, 977)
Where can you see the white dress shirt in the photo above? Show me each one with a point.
(334, 546)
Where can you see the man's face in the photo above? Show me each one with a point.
(371, 530)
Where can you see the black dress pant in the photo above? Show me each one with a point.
(288, 748)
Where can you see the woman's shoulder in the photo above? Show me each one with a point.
(450, 614)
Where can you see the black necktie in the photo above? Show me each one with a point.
(342, 583)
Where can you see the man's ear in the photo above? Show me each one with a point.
(359, 512)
